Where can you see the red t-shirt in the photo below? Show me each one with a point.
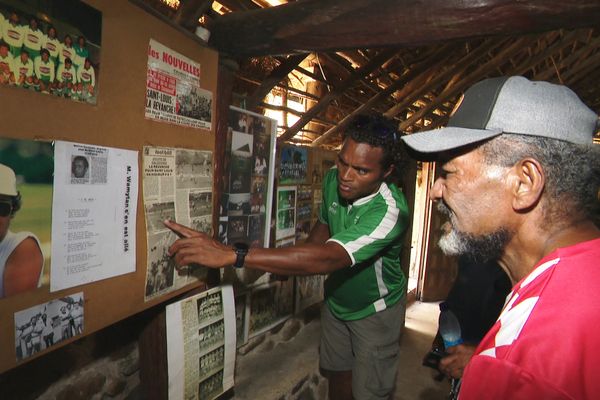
(546, 342)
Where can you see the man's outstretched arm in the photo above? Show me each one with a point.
(314, 257)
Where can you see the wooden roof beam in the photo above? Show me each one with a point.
(475, 76)
(375, 62)
(432, 78)
(276, 76)
(408, 77)
(333, 25)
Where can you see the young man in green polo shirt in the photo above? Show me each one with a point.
(357, 241)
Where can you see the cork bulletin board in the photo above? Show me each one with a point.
(116, 120)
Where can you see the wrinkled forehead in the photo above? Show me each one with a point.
(472, 153)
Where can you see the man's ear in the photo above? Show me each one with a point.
(388, 172)
(528, 185)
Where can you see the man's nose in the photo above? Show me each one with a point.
(346, 174)
(436, 190)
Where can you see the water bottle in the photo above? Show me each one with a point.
(449, 327)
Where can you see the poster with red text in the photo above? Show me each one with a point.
(173, 92)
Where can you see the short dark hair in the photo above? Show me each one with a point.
(572, 172)
(378, 131)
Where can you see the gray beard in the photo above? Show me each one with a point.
(478, 248)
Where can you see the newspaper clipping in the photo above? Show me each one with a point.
(93, 213)
(201, 345)
(177, 186)
(173, 92)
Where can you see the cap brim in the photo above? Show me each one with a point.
(448, 138)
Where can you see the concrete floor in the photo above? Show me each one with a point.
(276, 365)
(414, 381)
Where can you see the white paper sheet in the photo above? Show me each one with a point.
(94, 208)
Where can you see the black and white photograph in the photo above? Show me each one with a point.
(156, 213)
(255, 230)
(89, 165)
(259, 184)
(260, 165)
(240, 174)
(257, 203)
(241, 144)
(222, 230)
(44, 325)
(239, 204)
(193, 102)
(211, 336)
(224, 205)
(80, 169)
(202, 224)
(193, 169)
(161, 267)
(210, 307)
(237, 229)
(270, 304)
(200, 203)
(262, 145)
(211, 363)
(211, 386)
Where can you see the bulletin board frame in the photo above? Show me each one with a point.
(116, 120)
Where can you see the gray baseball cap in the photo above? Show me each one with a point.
(511, 105)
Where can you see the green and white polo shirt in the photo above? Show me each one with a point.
(370, 230)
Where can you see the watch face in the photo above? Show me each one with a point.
(240, 247)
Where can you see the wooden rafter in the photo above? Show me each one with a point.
(276, 76)
(402, 81)
(475, 76)
(323, 26)
(375, 62)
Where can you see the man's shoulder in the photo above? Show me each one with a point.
(27, 249)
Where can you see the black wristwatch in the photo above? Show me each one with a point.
(241, 249)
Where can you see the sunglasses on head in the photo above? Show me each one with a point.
(6, 208)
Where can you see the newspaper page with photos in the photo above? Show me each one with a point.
(94, 209)
(177, 186)
(173, 92)
(201, 345)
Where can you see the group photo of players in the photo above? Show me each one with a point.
(49, 55)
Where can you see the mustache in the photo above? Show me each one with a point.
(444, 209)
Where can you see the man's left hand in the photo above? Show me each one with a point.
(457, 359)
